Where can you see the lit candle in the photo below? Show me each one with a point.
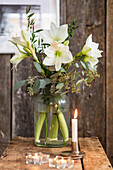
(75, 127)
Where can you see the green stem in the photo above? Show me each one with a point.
(53, 132)
(46, 129)
(39, 125)
(63, 126)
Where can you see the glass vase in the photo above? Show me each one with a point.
(51, 120)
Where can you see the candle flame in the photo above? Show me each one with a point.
(75, 114)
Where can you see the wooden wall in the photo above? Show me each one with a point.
(95, 108)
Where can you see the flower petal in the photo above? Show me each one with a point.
(85, 49)
(46, 36)
(62, 33)
(90, 49)
(49, 61)
(91, 60)
(67, 57)
(53, 30)
(89, 40)
(58, 66)
(17, 59)
(49, 51)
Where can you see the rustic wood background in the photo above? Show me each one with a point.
(96, 107)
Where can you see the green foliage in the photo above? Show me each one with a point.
(62, 69)
(36, 86)
(72, 27)
(28, 9)
(59, 85)
(38, 67)
(19, 84)
(42, 83)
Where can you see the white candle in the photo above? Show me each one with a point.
(75, 127)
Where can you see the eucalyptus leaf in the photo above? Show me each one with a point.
(62, 70)
(77, 65)
(95, 67)
(19, 84)
(84, 66)
(83, 73)
(36, 86)
(59, 85)
(79, 83)
(90, 79)
(54, 75)
(38, 67)
(75, 77)
(48, 81)
(88, 65)
(42, 83)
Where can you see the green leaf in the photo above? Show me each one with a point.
(90, 79)
(62, 70)
(88, 65)
(77, 65)
(48, 81)
(38, 30)
(79, 83)
(66, 42)
(36, 86)
(54, 75)
(37, 66)
(28, 9)
(45, 44)
(29, 16)
(19, 84)
(84, 66)
(95, 67)
(75, 77)
(42, 83)
(83, 73)
(59, 85)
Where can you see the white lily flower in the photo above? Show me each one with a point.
(58, 34)
(57, 54)
(25, 36)
(91, 51)
(26, 44)
(18, 57)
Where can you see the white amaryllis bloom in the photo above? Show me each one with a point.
(57, 53)
(58, 34)
(18, 57)
(25, 42)
(91, 51)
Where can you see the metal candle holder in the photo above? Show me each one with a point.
(74, 153)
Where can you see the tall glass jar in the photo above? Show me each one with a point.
(51, 120)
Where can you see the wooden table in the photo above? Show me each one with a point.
(13, 157)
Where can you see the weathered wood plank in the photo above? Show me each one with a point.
(63, 12)
(95, 157)
(23, 114)
(90, 18)
(5, 105)
(14, 155)
(109, 81)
